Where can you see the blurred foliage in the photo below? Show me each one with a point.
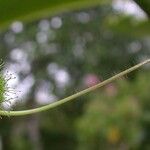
(115, 118)
(129, 26)
(35, 9)
(84, 46)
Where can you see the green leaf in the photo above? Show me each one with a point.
(28, 10)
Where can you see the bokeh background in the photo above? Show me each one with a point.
(57, 54)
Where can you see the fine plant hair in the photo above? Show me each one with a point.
(67, 99)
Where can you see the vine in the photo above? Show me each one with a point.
(62, 101)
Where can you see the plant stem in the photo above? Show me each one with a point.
(70, 98)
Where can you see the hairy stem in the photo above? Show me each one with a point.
(70, 98)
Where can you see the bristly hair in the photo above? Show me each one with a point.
(2, 89)
(5, 90)
(2, 84)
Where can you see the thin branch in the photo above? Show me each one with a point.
(70, 98)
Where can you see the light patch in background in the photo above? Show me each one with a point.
(60, 75)
(129, 7)
(30, 48)
(21, 67)
(134, 47)
(78, 50)
(83, 17)
(22, 64)
(17, 27)
(44, 25)
(56, 22)
(18, 54)
(24, 86)
(41, 37)
(78, 47)
(45, 98)
(44, 94)
(52, 68)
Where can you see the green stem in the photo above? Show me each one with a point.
(60, 102)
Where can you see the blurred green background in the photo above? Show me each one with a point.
(56, 48)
